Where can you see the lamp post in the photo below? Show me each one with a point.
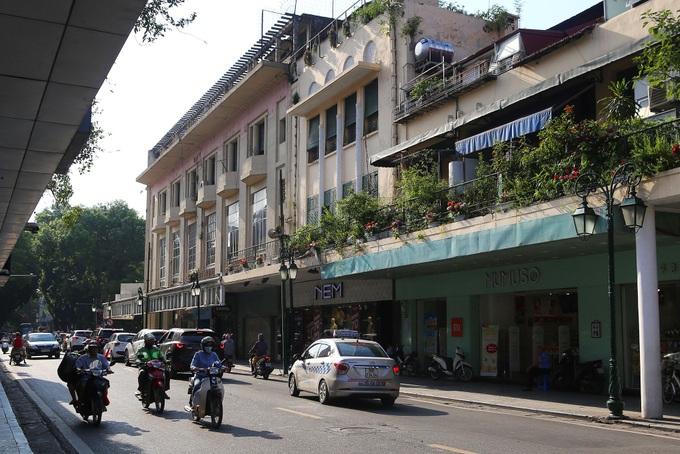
(196, 292)
(585, 219)
(292, 274)
(94, 311)
(286, 273)
(140, 303)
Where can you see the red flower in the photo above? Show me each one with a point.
(675, 149)
(568, 109)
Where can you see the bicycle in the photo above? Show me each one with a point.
(670, 366)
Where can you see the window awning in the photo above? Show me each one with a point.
(514, 129)
(390, 157)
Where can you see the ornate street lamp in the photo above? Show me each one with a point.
(585, 219)
(196, 292)
(286, 273)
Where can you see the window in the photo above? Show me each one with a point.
(192, 184)
(175, 254)
(329, 200)
(312, 210)
(232, 231)
(371, 107)
(231, 164)
(313, 140)
(209, 171)
(257, 139)
(350, 119)
(259, 217)
(191, 246)
(162, 203)
(282, 130)
(175, 194)
(161, 259)
(369, 183)
(210, 239)
(348, 188)
(331, 129)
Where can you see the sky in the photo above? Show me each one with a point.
(151, 86)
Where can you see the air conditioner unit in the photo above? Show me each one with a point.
(659, 100)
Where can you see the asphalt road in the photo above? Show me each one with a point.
(261, 417)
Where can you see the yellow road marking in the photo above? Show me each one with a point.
(299, 413)
(450, 449)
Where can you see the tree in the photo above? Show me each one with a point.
(18, 293)
(659, 61)
(87, 262)
(156, 19)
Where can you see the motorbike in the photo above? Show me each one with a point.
(208, 399)
(154, 391)
(228, 363)
(408, 364)
(94, 401)
(445, 366)
(263, 367)
(16, 357)
(5, 346)
(587, 377)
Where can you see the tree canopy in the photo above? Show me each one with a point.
(86, 263)
(17, 296)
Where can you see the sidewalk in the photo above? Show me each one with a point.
(510, 395)
(12, 438)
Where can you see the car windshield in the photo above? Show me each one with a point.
(82, 333)
(40, 337)
(360, 349)
(125, 338)
(193, 338)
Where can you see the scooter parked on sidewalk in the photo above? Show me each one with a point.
(208, 398)
(5, 345)
(587, 377)
(263, 367)
(154, 391)
(456, 367)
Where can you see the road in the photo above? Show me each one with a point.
(261, 417)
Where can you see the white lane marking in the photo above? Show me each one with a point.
(299, 413)
(450, 449)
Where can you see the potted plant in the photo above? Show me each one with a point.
(231, 268)
(244, 263)
(455, 210)
(259, 261)
(371, 231)
(432, 219)
(307, 58)
(397, 226)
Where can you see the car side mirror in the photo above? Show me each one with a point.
(296, 357)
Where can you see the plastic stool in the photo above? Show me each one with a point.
(542, 382)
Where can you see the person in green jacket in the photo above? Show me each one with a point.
(147, 353)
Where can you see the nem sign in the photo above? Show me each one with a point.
(328, 291)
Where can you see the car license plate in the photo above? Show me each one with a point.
(268, 364)
(371, 372)
(45, 350)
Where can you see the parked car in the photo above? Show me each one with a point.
(114, 349)
(137, 342)
(76, 339)
(102, 335)
(345, 366)
(41, 344)
(180, 344)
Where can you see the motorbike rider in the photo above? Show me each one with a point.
(148, 352)
(90, 360)
(18, 344)
(259, 349)
(229, 347)
(202, 360)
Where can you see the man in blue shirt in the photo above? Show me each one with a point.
(541, 367)
(202, 360)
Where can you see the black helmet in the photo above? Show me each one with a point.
(91, 343)
(207, 340)
(149, 337)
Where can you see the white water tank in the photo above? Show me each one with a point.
(432, 51)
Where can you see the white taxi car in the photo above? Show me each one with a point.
(345, 366)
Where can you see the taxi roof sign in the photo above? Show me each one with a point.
(343, 333)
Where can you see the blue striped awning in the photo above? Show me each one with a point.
(517, 128)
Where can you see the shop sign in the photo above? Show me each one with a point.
(328, 291)
(595, 329)
(511, 278)
(456, 327)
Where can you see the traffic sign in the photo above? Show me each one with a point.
(109, 322)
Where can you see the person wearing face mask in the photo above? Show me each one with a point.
(202, 360)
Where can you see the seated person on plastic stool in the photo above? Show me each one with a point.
(539, 368)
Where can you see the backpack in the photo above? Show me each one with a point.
(67, 367)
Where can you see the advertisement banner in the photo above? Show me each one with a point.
(489, 367)
(430, 346)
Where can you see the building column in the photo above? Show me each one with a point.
(648, 316)
(339, 137)
(359, 147)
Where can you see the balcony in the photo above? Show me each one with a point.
(254, 169)
(206, 195)
(187, 208)
(227, 184)
(172, 216)
(158, 224)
